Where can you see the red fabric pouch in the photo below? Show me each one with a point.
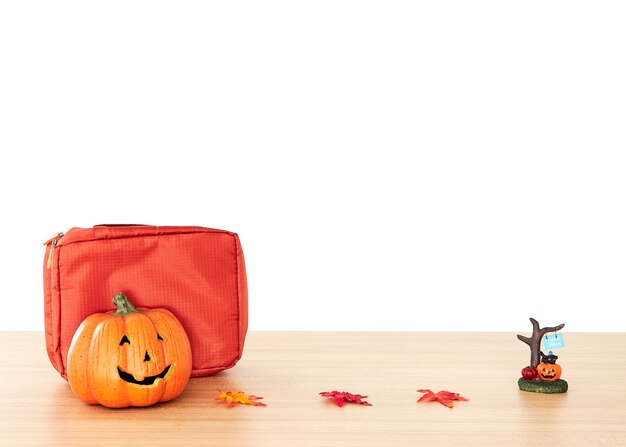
(197, 273)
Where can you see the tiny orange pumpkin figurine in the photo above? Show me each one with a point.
(129, 357)
(548, 369)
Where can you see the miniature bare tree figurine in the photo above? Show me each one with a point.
(534, 341)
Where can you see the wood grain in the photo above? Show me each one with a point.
(289, 369)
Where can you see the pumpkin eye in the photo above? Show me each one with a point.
(159, 337)
(124, 340)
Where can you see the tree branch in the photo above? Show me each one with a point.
(545, 330)
(526, 340)
(535, 325)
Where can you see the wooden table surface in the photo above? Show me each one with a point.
(289, 369)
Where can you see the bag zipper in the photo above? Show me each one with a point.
(54, 240)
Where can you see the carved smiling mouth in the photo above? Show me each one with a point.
(127, 377)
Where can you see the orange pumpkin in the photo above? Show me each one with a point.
(549, 372)
(129, 357)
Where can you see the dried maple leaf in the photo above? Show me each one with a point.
(341, 396)
(239, 397)
(443, 397)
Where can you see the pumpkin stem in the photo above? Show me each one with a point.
(124, 306)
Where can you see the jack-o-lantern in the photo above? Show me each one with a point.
(129, 357)
(549, 372)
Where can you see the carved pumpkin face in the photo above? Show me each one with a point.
(129, 357)
(549, 371)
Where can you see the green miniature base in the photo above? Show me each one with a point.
(541, 386)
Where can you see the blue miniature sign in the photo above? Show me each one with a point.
(553, 341)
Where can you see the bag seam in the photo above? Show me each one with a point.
(58, 347)
(144, 235)
(238, 298)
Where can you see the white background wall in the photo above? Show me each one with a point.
(442, 165)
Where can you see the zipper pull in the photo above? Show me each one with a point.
(55, 240)
(53, 237)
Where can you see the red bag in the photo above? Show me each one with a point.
(197, 273)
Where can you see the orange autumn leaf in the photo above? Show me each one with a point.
(239, 397)
(443, 397)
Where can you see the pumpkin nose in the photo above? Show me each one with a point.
(146, 357)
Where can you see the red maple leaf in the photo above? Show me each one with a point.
(443, 397)
(342, 396)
